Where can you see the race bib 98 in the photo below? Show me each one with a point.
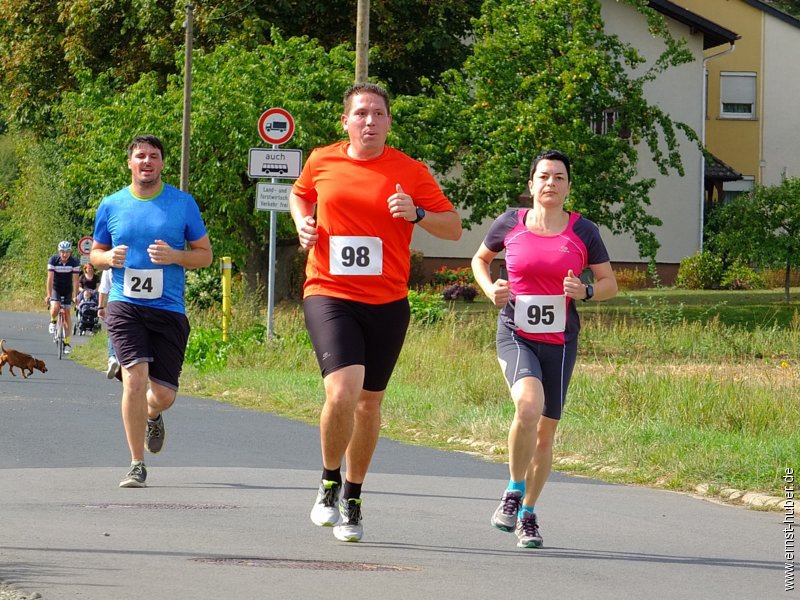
(541, 314)
(356, 255)
(143, 284)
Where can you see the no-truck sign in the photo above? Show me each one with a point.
(85, 245)
(276, 126)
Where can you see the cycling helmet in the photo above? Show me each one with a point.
(64, 246)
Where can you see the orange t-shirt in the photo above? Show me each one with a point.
(362, 252)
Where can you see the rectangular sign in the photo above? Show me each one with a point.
(273, 196)
(278, 162)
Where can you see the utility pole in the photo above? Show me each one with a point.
(362, 41)
(187, 98)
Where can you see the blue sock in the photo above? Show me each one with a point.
(530, 509)
(516, 486)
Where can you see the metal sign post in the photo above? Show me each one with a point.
(275, 126)
(273, 227)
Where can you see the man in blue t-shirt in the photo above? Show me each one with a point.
(142, 233)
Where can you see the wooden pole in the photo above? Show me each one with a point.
(362, 41)
(187, 98)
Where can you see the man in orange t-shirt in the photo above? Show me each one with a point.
(367, 198)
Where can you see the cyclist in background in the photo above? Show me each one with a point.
(63, 271)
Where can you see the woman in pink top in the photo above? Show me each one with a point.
(546, 249)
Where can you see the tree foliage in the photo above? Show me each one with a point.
(232, 86)
(32, 71)
(47, 47)
(791, 7)
(543, 75)
(763, 228)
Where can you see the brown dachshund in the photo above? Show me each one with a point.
(24, 362)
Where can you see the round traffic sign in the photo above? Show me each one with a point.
(275, 126)
(85, 245)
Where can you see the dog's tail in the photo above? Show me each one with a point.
(2, 345)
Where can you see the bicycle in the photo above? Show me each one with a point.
(60, 332)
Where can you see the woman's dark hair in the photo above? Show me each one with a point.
(550, 155)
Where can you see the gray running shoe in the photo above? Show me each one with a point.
(113, 367)
(505, 516)
(155, 434)
(349, 528)
(67, 349)
(527, 531)
(136, 477)
(326, 512)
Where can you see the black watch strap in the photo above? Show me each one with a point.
(420, 215)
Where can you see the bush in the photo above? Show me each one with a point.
(703, 271)
(426, 308)
(775, 278)
(416, 276)
(207, 352)
(456, 291)
(631, 279)
(739, 276)
(204, 287)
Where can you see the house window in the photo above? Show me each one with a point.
(732, 189)
(606, 121)
(737, 93)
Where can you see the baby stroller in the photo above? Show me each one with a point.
(87, 318)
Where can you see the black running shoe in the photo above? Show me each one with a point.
(136, 477)
(154, 437)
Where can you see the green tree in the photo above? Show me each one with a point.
(763, 228)
(544, 75)
(46, 47)
(39, 213)
(791, 7)
(232, 86)
(32, 71)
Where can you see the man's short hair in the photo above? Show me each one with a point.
(365, 88)
(550, 155)
(146, 139)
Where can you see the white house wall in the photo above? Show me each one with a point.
(781, 93)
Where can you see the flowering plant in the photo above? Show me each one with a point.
(456, 291)
(447, 276)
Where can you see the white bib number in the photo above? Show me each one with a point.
(356, 255)
(143, 284)
(541, 314)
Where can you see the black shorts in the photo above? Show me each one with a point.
(66, 294)
(346, 332)
(552, 364)
(152, 335)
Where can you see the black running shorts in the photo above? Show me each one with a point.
(151, 335)
(551, 364)
(346, 332)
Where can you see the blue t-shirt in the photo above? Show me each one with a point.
(124, 219)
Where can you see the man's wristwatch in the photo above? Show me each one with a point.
(589, 292)
(420, 215)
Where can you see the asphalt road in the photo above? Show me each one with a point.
(226, 513)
